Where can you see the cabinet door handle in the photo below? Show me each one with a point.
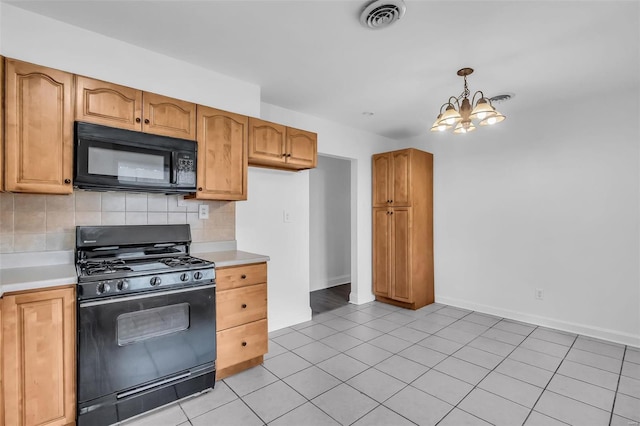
(284, 155)
(244, 306)
(137, 119)
(390, 212)
(200, 188)
(391, 201)
(244, 343)
(288, 155)
(243, 276)
(146, 121)
(67, 181)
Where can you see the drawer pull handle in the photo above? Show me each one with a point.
(244, 305)
(244, 343)
(243, 276)
(138, 119)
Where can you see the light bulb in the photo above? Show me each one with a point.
(491, 120)
(481, 115)
(442, 127)
(450, 121)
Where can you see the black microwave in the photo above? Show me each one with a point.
(110, 159)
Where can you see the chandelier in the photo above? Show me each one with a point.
(459, 114)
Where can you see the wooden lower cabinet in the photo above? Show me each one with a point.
(241, 318)
(38, 357)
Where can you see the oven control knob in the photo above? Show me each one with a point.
(155, 281)
(103, 288)
(122, 285)
(197, 275)
(184, 277)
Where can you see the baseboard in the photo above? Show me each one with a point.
(357, 299)
(330, 282)
(597, 332)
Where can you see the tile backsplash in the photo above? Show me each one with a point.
(31, 222)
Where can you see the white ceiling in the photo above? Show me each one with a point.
(315, 57)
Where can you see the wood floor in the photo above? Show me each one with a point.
(330, 298)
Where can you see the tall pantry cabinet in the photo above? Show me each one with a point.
(403, 228)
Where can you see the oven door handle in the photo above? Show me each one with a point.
(143, 296)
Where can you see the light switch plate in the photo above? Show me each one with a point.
(203, 211)
(286, 216)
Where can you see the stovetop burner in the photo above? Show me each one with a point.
(95, 267)
(182, 261)
(114, 261)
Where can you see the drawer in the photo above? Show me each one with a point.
(242, 343)
(241, 276)
(240, 305)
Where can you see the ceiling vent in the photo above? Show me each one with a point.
(382, 13)
(503, 97)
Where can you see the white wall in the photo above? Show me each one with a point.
(330, 223)
(269, 191)
(547, 199)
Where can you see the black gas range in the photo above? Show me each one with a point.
(146, 320)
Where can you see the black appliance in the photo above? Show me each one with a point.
(113, 159)
(146, 320)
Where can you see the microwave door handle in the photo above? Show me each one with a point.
(173, 161)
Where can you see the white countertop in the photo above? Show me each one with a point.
(28, 276)
(231, 258)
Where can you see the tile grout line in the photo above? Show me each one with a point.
(547, 385)
(615, 395)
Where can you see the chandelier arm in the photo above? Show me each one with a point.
(456, 100)
(473, 100)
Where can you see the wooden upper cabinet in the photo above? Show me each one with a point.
(392, 179)
(118, 106)
(222, 155)
(302, 148)
(39, 357)
(108, 104)
(267, 142)
(276, 146)
(168, 116)
(39, 129)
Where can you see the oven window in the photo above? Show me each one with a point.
(126, 165)
(134, 327)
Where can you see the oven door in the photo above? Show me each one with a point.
(132, 341)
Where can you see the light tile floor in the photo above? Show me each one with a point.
(376, 364)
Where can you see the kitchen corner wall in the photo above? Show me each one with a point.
(30, 222)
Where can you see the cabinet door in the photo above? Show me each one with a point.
(241, 306)
(401, 254)
(381, 166)
(222, 155)
(302, 149)
(39, 129)
(242, 343)
(39, 357)
(108, 104)
(266, 143)
(381, 252)
(401, 193)
(168, 117)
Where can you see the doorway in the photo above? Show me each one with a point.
(330, 234)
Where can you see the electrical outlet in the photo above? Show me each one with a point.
(203, 211)
(286, 216)
(539, 294)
